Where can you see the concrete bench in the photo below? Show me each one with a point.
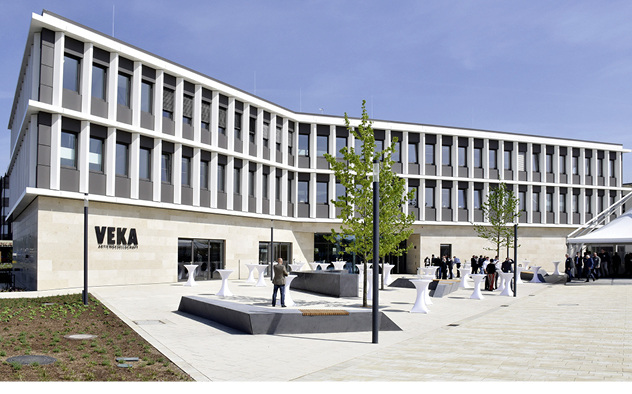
(252, 319)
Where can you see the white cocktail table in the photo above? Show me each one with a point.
(191, 272)
(313, 266)
(557, 268)
(478, 278)
(420, 302)
(339, 265)
(323, 266)
(507, 276)
(297, 266)
(387, 274)
(224, 291)
(428, 298)
(261, 282)
(465, 273)
(288, 297)
(251, 273)
(519, 271)
(535, 270)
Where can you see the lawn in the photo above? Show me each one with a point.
(46, 326)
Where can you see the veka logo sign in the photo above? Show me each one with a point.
(116, 237)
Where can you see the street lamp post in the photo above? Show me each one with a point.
(271, 245)
(376, 247)
(85, 249)
(516, 260)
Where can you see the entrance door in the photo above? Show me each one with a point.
(207, 254)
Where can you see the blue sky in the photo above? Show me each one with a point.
(553, 68)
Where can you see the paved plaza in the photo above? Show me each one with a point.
(575, 332)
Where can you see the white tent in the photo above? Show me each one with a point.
(617, 232)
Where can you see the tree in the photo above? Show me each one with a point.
(355, 174)
(499, 210)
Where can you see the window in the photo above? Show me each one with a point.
(340, 190)
(221, 178)
(493, 159)
(187, 109)
(549, 202)
(277, 188)
(205, 118)
(575, 203)
(253, 130)
(587, 165)
(99, 81)
(507, 160)
(462, 156)
(446, 197)
(251, 183)
(278, 139)
(341, 142)
(266, 134)
(478, 158)
(168, 103)
(414, 198)
(599, 167)
(549, 163)
(123, 90)
(290, 142)
(536, 201)
(562, 204)
(575, 165)
(264, 186)
(237, 181)
(237, 124)
(430, 192)
(303, 192)
(462, 199)
(600, 201)
(536, 162)
(321, 192)
(446, 160)
(396, 153)
(122, 161)
(186, 171)
(71, 73)
(221, 118)
(478, 198)
(412, 153)
(522, 158)
(612, 168)
(204, 175)
(68, 152)
(562, 164)
(147, 97)
(95, 159)
(430, 154)
(144, 169)
(522, 201)
(165, 168)
(321, 145)
(303, 145)
(379, 147)
(588, 204)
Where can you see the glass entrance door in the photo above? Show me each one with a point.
(207, 254)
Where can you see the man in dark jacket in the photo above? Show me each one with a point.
(568, 268)
(578, 265)
(279, 282)
(588, 267)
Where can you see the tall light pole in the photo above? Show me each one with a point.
(376, 247)
(85, 249)
(516, 260)
(271, 245)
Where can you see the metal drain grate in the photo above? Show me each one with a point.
(453, 325)
(567, 304)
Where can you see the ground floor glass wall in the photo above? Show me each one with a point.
(207, 254)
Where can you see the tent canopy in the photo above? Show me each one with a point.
(618, 231)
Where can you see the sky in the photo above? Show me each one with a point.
(540, 67)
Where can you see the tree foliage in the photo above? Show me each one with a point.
(499, 210)
(355, 174)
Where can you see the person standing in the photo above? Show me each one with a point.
(568, 268)
(457, 262)
(578, 265)
(588, 267)
(279, 281)
(605, 263)
(596, 265)
(450, 263)
(474, 264)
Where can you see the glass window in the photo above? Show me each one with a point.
(187, 110)
(562, 164)
(68, 152)
(303, 145)
(446, 158)
(478, 198)
(122, 161)
(462, 199)
(599, 167)
(536, 201)
(264, 186)
(396, 153)
(549, 202)
(414, 199)
(588, 204)
(321, 145)
(144, 168)
(123, 90)
(99, 80)
(379, 146)
(478, 158)
(221, 177)
(522, 201)
(71, 73)
(430, 197)
(562, 204)
(340, 190)
(251, 183)
(204, 175)
(237, 181)
(303, 191)
(430, 154)
(95, 158)
(446, 200)
(612, 168)
(575, 165)
(412, 153)
(341, 142)
(536, 162)
(186, 171)
(587, 165)
(147, 97)
(462, 156)
(165, 168)
(168, 103)
(575, 203)
(266, 134)
(507, 160)
(522, 158)
(549, 163)
(321, 193)
(493, 159)
(237, 125)
(600, 201)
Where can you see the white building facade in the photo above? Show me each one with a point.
(179, 168)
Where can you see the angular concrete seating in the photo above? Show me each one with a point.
(252, 319)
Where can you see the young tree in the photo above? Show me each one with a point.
(499, 210)
(355, 174)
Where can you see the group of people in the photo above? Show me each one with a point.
(479, 265)
(593, 265)
(445, 265)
